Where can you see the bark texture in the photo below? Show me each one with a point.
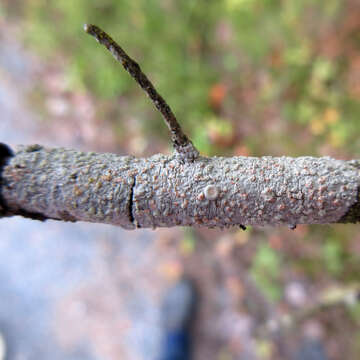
(162, 191)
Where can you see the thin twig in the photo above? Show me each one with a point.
(180, 141)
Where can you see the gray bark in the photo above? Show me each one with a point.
(161, 191)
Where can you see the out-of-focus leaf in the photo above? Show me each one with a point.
(332, 255)
(266, 270)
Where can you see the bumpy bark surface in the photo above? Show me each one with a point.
(162, 191)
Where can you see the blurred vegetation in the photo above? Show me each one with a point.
(288, 66)
(244, 77)
(266, 270)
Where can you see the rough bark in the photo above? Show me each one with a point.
(162, 191)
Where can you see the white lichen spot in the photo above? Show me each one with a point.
(211, 192)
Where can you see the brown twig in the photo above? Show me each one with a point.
(181, 142)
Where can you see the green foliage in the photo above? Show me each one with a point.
(333, 256)
(188, 242)
(266, 269)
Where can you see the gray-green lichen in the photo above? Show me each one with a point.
(163, 191)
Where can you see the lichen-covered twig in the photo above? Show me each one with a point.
(162, 192)
(184, 147)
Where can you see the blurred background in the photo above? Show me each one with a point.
(244, 77)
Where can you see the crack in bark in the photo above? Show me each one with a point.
(131, 203)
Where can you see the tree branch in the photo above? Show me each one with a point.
(184, 147)
(162, 191)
